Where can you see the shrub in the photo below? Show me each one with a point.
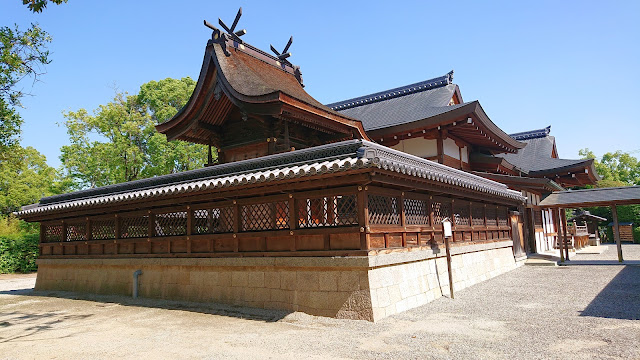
(636, 235)
(18, 252)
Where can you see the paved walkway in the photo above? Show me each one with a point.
(576, 312)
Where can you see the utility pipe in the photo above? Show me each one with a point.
(135, 282)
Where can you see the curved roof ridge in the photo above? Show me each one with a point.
(532, 134)
(440, 81)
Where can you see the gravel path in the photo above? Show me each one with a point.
(577, 312)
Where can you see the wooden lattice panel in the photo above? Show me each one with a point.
(537, 217)
(171, 224)
(265, 216)
(416, 212)
(327, 211)
(103, 229)
(53, 233)
(477, 214)
(76, 232)
(502, 216)
(441, 209)
(492, 212)
(461, 213)
(134, 227)
(383, 210)
(214, 220)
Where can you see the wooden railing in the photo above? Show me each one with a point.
(352, 220)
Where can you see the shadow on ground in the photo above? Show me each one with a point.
(240, 312)
(620, 299)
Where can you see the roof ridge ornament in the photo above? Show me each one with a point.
(284, 55)
(221, 38)
(450, 77)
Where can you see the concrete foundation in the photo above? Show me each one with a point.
(365, 287)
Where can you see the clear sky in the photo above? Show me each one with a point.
(573, 65)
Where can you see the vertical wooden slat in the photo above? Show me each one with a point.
(237, 223)
(189, 228)
(88, 230)
(403, 220)
(556, 223)
(63, 236)
(616, 231)
(363, 218)
(293, 221)
(564, 234)
(117, 233)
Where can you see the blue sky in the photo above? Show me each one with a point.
(573, 65)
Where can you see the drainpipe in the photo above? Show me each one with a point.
(135, 282)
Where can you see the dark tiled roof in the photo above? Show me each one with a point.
(422, 86)
(535, 156)
(601, 196)
(401, 105)
(532, 134)
(342, 156)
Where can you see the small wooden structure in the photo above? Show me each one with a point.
(626, 231)
(585, 223)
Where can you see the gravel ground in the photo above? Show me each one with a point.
(577, 312)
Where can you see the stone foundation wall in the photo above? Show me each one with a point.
(362, 287)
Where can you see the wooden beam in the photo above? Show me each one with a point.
(564, 233)
(616, 231)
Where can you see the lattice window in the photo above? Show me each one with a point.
(416, 212)
(383, 210)
(214, 220)
(171, 224)
(103, 229)
(477, 214)
(265, 216)
(502, 216)
(328, 211)
(537, 218)
(76, 232)
(53, 233)
(134, 227)
(492, 213)
(441, 209)
(461, 213)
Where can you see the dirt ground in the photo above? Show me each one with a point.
(575, 312)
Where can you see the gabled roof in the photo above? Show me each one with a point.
(242, 76)
(424, 106)
(539, 158)
(439, 92)
(338, 157)
(593, 197)
(541, 185)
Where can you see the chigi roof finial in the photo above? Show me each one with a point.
(235, 35)
(284, 55)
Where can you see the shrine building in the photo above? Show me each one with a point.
(333, 210)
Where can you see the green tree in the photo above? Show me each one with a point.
(23, 54)
(119, 143)
(25, 177)
(38, 5)
(616, 169)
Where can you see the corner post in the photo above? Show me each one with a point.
(616, 231)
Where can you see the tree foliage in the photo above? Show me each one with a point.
(25, 177)
(616, 169)
(38, 5)
(23, 54)
(119, 143)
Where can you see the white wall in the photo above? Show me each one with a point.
(418, 146)
(451, 149)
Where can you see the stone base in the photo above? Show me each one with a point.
(363, 287)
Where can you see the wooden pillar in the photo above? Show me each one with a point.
(363, 218)
(237, 224)
(293, 221)
(403, 219)
(616, 231)
(189, 228)
(564, 234)
(556, 223)
(440, 146)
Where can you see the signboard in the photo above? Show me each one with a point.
(446, 227)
